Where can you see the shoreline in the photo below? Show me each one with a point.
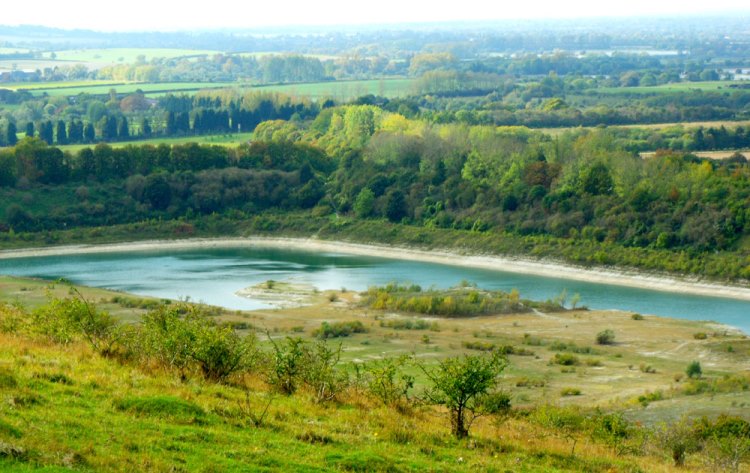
(635, 279)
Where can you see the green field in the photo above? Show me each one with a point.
(125, 55)
(221, 140)
(33, 64)
(32, 86)
(346, 90)
(339, 90)
(710, 86)
(13, 50)
(149, 88)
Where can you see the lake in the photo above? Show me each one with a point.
(214, 275)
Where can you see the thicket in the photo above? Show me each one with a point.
(457, 302)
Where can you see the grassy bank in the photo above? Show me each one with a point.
(69, 408)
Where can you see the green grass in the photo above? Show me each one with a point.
(346, 90)
(33, 64)
(708, 86)
(32, 86)
(339, 90)
(234, 139)
(70, 408)
(13, 50)
(126, 55)
(151, 89)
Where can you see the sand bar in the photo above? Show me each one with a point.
(614, 276)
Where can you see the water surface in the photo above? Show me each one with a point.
(214, 275)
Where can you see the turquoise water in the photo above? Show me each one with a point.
(214, 275)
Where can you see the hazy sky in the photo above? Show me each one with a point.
(192, 14)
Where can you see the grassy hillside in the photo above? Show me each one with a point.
(66, 407)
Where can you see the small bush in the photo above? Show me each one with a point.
(320, 371)
(566, 359)
(478, 345)
(694, 370)
(387, 381)
(339, 329)
(647, 368)
(605, 337)
(700, 336)
(646, 399)
(410, 324)
(637, 317)
(530, 383)
(570, 392)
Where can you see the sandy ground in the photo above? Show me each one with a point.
(455, 258)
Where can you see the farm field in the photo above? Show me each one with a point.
(345, 90)
(34, 64)
(5, 50)
(126, 55)
(150, 89)
(221, 140)
(724, 154)
(339, 90)
(58, 85)
(655, 126)
(713, 86)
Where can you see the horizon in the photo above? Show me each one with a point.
(335, 14)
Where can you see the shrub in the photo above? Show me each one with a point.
(64, 320)
(694, 370)
(320, 372)
(565, 359)
(410, 324)
(339, 329)
(700, 336)
(286, 364)
(570, 392)
(678, 440)
(637, 317)
(605, 337)
(530, 383)
(462, 385)
(387, 381)
(183, 342)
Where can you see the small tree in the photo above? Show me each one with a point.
(387, 381)
(463, 385)
(678, 440)
(364, 204)
(694, 370)
(321, 374)
(605, 337)
(287, 364)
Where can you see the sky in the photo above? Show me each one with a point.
(173, 15)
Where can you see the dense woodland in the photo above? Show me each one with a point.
(581, 187)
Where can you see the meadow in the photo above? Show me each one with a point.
(116, 416)
(338, 90)
(678, 87)
(126, 55)
(230, 140)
